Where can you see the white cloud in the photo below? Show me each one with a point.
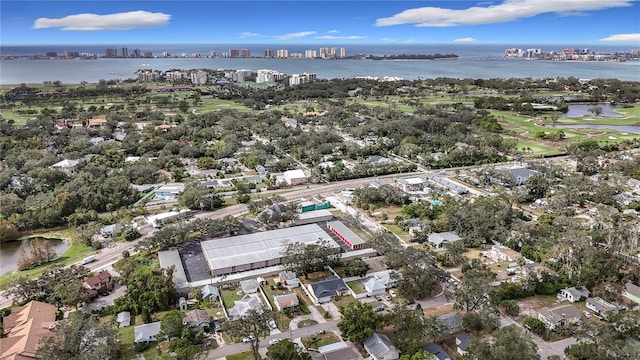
(118, 21)
(295, 35)
(247, 34)
(465, 40)
(334, 37)
(332, 31)
(623, 37)
(508, 10)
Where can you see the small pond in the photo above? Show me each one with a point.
(10, 251)
(580, 110)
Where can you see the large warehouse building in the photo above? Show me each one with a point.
(254, 251)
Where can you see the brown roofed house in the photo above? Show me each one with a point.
(24, 328)
(101, 280)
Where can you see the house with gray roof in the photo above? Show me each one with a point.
(110, 230)
(249, 286)
(437, 351)
(631, 294)
(559, 316)
(197, 318)
(146, 333)
(242, 306)
(377, 283)
(573, 294)
(463, 341)
(124, 319)
(289, 279)
(452, 322)
(325, 290)
(601, 308)
(439, 239)
(380, 347)
(210, 293)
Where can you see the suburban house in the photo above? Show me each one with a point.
(573, 294)
(65, 165)
(209, 293)
(518, 175)
(440, 239)
(146, 333)
(294, 177)
(97, 282)
(197, 318)
(452, 322)
(24, 328)
(463, 341)
(286, 301)
(377, 283)
(324, 291)
(110, 230)
(437, 351)
(242, 306)
(338, 351)
(380, 347)
(124, 319)
(504, 253)
(559, 316)
(602, 309)
(631, 294)
(289, 279)
(249, 286)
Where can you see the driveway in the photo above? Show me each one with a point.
(103, 301)
(545, 349)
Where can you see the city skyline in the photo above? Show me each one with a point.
(613, 22)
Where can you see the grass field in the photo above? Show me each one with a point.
(247, 355)
(229, 296)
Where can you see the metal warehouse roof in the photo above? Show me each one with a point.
(170, 258)
(262, 246)
(348, 234)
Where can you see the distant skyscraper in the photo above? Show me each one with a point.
(166, 54)
(111, 53)
(234, 53)
(324, 52)
(343, 52)
(125, 52)
(245, 53)
(148, 54)
(282, 53)
(310, 54)
(268, 53)
(136, 53)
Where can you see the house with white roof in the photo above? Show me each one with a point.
(146, 333)
(380, 347)
(440, 239)
(294, 177)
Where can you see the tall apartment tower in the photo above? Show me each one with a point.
(343, 52)
(136, 53)
(234, 53)
(111, 52)
(245, 53)
(282, 53)
(268, 53)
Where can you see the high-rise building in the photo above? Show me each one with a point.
(268, 53)
(297, 79)
(343, 53)
(324, 52)
(245, 53)
(166, 54)
(111, 52)
(198, 77)
(136, 53)
(125, 52)
(148, 54)
(282, 53)
(310, 54)
(234, 53)
(266, 75)
(71, 54)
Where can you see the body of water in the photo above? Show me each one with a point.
(475, 61)
(10, 251)
(621, 128)
(580, 110)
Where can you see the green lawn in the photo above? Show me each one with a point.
(315, 341)
(357, 286)
(247, 355)
(229, 296)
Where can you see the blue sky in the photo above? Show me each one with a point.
(25, 22)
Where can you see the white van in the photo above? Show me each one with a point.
(89, 259)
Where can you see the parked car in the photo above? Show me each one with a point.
(378, 297)
(587, 314)
(274, 341)
(248, 339)
(387, 297)
(393, 293)
(410, 301)
(216, 326)
(272, 324)
(378, 308)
